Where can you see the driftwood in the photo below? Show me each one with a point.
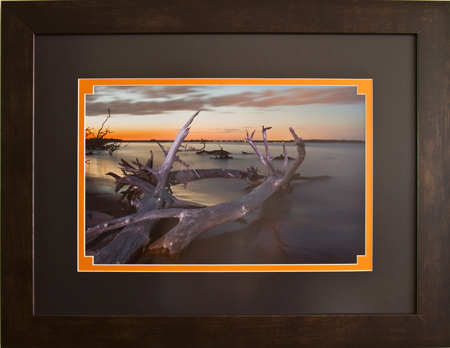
(149, 191)
(192, 148)
(281, 157)
(218, 154)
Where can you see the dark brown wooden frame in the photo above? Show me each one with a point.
(429, 21)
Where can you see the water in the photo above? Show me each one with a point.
(319, 222)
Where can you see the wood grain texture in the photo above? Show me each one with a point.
(17, 132)
(429, 21)
(434, 165)
(234, 16)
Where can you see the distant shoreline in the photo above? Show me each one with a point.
(320, 141)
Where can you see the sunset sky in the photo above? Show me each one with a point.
(158, 112)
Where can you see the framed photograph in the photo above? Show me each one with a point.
(239, 174)
(337, 115)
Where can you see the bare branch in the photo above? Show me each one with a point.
(170, 156)
(286, 160)
(128, 167)
(187, 165)
(162, 148)
(101, 134)
(248, 139)
(264, 129)
(129, 192)
(150, 160)
(145, 186)
(89, 132)
(94, 232)
(115, 176)
(111, 147)
(258, 152)
(151, 170)
(137, 163)
(297, 140)
(269, 165)
(300, 145)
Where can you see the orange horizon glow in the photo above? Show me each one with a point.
(168, 134)
(157, 134)
(171, 135)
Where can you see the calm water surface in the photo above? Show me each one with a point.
(319, 222)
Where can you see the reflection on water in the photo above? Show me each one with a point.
(319, 222)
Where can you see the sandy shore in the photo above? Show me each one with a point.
(101, 207)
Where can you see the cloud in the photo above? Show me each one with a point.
(143, 100)
(145, 91)
(290, 97)
(153, 100)
(131, 107)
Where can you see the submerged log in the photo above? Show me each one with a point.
(281, 157)
(218, 154)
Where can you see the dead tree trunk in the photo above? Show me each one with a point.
(133, 238)
(158, 202)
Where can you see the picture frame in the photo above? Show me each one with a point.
(427, 21)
